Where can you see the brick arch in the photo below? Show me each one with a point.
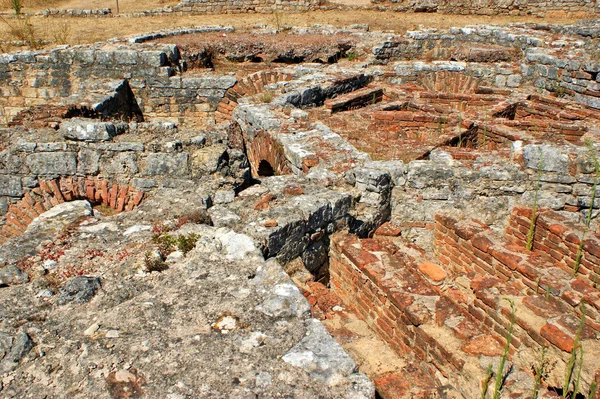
(263, 148)
(450, 82)
(56, 191)
(250, 85)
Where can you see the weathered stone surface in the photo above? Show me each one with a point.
(79, 289)
(11, 274)
(166, 164)
(10, 186)
(53, 163)
(90, 130)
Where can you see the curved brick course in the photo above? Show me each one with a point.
(56, 191)
(248, 86)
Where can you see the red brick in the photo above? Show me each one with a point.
(503, 256)
(482, 345)
(388, 229)
(557, 337)
(433, 272)
(358, 257)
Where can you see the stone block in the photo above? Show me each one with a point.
(52, 163)
(10, 186)
(166, 164)
(89, 130)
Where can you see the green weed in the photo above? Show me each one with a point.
(531, 231)
(594, 156)
(504, 357)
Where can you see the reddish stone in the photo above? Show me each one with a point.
(582, 286)
(263, 203)
(445, 220)
(466, 231)
(293, 189)
(433, 272)
(571, 297)
(480, 283)
(592, 246)
(506, 258)
(120, 205)
(457, 296)
(56, 191)
(557, 337)
(482, 345)
(138, 198)
(371, 245)
(482, 242)
(270, 223)
(388, 229)
(400, 299)
(541, 306)
(359, 257)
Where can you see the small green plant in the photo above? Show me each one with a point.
(594, 157)
(500, 372)
(541, 373)
(351, 56)
(62, 34)
(167, 244)
(573, 359)
(486, 381)
(186, 243)
(277, 20)
(16, 5)
(154, 263)
(593, 390)
(531, 231)
(266, 97)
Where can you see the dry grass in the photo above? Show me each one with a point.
(124, 5)
(89, 30)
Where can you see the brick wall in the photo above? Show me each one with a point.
(472, 249)
(449, 311)
(560, 238)
(248, 86)
(56, 191)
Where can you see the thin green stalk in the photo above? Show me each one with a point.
(500, 372)
(486, 382)
(572, 359)
(593, 390)
(539, 374)
(485, 132)
(592, 152)
(578, 378)
(531, 231)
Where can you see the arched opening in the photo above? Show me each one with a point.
(265, 169)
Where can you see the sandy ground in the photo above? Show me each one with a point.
(89, 30)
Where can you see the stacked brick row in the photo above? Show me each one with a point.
(248, 86)
(405, 298)
(535, 281)
(560, 238)
(53, 192)
(355, 99)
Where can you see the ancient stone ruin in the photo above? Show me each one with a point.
(319, 212)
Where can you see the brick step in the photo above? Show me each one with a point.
(545, 296)
(356, 99)
(413, 304)
(472, 248)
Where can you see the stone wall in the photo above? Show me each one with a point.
(490, 7)
(56, 191)
(87, 76)
(245, 6)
